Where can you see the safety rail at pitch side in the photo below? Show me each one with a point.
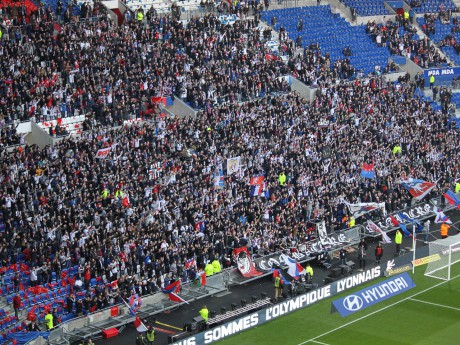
(233, 313)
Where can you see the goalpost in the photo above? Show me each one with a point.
(444, 254)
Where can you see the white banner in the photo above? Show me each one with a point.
(102, 153)
(233, 165)
(360, 209)
(372, 227)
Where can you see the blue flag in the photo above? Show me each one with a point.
(415, 222)
(368, 171)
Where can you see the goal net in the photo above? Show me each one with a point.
(444, 259)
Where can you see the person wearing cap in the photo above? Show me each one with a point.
(150, 335)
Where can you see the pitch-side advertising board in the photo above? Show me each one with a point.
(280, 309)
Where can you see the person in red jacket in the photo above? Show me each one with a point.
(87, 276)
(16, 304)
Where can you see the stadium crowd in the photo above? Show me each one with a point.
(422, 51)
(137, 215)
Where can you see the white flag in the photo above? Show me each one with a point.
(372, 227)
(360, 209)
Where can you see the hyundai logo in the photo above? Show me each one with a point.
(353, 303)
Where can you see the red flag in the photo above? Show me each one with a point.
(270, 57)
(114, 284)
(245, 264)
(203, 279)
(175, 298)
(394, 221)
(31, 314)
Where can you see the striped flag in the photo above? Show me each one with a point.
(139, 325)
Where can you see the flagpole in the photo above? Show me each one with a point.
(413, 247)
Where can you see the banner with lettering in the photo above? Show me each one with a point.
(102, 153)
(441, 75)
(255, 318)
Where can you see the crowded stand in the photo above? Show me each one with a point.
(118, 218)
(443, 29)
(402, 39)
(122, 209)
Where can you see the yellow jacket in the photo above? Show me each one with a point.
(282, 179)
(204, 312)
(352, 221)
(209, 270)
(216, 266)
(49, 321)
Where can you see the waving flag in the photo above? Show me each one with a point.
(218, 180)
(402, 226)
(190, 263)
(256, 190)
(102, 153)
(271, 57)
(372, 227)
(173, 287)
(135, 304)
(256, 180)
(294, 268)
(360, 209)
(172, 290)
(415, 222)
(139, 325)
(440, 216)
(452, 199)
(285, 277)
(257, 185)
(417, 188)
(368, 171)
(233, 165)
(245, 263)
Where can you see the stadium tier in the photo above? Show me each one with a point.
(278, 149)
(368, 7)
(332, 33)
(433, 6)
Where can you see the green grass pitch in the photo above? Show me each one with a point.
(427, 314)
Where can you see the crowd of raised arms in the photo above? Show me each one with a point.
(139, 214)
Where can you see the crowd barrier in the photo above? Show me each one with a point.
(328, 242)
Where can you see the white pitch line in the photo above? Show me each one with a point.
(435, 304)
(374, 312)
(318, 342)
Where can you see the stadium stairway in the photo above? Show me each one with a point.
(119, 15)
